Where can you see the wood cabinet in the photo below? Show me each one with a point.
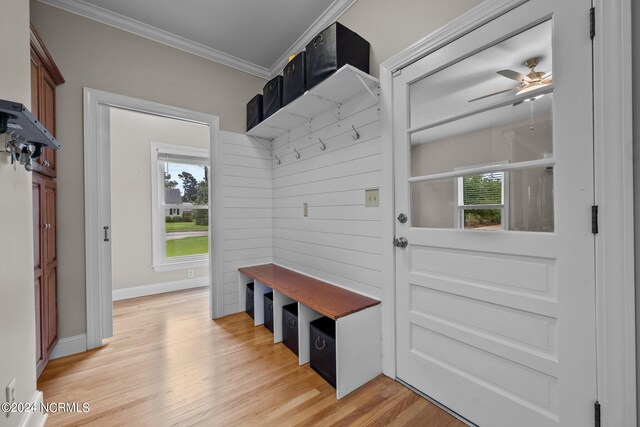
(45, 76)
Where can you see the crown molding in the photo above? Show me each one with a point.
(328, 17)
(104, 16)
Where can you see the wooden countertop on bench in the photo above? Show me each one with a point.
(327, 299)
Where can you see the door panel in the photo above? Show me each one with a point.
(51, 301)
(50, 221)
(495, 291)
(38, 307)
(49, 120)
(36, 194)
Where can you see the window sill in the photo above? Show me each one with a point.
(180, 265)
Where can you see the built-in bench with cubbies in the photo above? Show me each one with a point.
(357, 320)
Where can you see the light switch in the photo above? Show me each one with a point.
(372, 198)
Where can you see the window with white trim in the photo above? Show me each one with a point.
(481, 201)
(180, 206)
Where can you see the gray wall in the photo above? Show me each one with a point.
(17, 309)
(131, 136)
(635, 6)
(98, 56)
(391, 26)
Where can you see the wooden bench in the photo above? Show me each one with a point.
(358, 319)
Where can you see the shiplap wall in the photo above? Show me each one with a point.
(247, 212)
(340, 241)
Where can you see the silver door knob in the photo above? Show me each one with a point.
(402, 218)
(400, 242)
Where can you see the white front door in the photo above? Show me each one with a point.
(496, 284)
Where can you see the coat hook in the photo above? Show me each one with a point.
(297, 154)
(277, 159)
(357, 135)
(323, 146)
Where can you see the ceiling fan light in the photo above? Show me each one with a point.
(528, 88)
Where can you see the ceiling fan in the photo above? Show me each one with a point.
(533, 80)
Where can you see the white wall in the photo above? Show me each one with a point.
(131, 136)
(247, 199)
(17, 308)
(94, 55)
(340, 241)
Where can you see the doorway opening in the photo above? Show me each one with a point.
(159, 204)
(152, 187)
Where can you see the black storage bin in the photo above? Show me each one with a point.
(333, 48)
(254, 111)
(249, 300)
(272, 96)
(323, 348)
(294, 82)
(268, 311)
(290, 326)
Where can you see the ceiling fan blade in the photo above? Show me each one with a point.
(492, 94)
(517, 103)
(546, 76)
(514, 75)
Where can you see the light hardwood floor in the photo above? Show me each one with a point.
(169, 364)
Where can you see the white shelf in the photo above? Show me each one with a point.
(343, 85)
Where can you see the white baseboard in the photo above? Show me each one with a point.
(36, 418)
(68, 346)
(159, 288)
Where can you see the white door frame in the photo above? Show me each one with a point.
(97, 206)
(615, 301)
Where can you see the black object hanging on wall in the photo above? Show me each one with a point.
(332, 49)
(272, 96)
(254, 112)
(294, 82)
(27, 135)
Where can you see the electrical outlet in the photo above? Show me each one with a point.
(10, 394)
(190, 274)
(372, 198)
(305, 210)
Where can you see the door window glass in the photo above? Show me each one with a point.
(481, 139)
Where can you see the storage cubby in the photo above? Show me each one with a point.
(322, 345)
(290, 327)
(268, 311)
(279, 301)
(357, 320)
(259, 290)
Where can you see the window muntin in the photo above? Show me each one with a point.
(181, 209)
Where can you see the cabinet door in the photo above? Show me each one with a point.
(48, 119)
(38, 231)
(49, 212)
(41, 346)
(50, 261)
(51, 309)
(43, 105)
(38, 224)
(36, 64)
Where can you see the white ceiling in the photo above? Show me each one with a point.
(252, 35)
